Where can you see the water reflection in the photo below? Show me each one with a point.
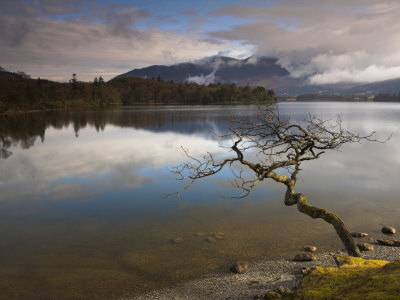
(81, 197)
(24, 129)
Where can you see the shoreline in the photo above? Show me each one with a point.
(260, 277)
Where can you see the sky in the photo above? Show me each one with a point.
(324, 41)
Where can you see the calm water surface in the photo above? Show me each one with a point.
(83, 212)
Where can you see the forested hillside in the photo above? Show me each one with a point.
(157, 91)
(19, 92)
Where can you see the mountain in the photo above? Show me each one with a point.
(216, 69)
(2, 69)
(261, 71)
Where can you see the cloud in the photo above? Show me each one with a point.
(203, 79)
(53, 39)
(326, 41)
(13, 32)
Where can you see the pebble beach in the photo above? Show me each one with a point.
(259, 277)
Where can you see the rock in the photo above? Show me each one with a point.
(177, 240)
(359, 234)
(239, 266)
(371, 239)
(200, 234)
(211, 240)
(306, 270)
(365, 247)
(310, 248)
(304, 257)
(389, 230)
(387, 242)
(283, 291)
(271, 295)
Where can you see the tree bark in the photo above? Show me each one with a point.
(334, 220)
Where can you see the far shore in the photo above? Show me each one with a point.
(86, 107)
(260, 277)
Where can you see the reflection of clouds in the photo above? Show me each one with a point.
(111, 160)
(120, 159)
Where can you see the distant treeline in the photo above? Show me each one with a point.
(387, 97)
(157, 91)
(19, 92)
(319, 97)
(354, 98)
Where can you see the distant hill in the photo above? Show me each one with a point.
(391, 86)
(262, 71)
(216, 69)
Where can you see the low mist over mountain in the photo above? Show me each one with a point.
(262, 71)
(253, 71)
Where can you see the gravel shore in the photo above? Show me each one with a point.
(259, 278)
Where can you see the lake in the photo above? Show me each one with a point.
(83, 211)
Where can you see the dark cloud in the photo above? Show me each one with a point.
(13, 32)
(122, 20)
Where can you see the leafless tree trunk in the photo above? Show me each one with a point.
(279, 144)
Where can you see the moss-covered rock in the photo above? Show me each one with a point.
(355, 278)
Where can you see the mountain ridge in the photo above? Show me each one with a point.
(256, 71)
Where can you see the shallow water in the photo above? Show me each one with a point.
(83, 212)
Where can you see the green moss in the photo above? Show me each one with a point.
(356, 278)
(351, 262)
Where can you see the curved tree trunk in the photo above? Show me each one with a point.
(314, 212)
(334, 220)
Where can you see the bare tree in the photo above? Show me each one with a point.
(269, 145)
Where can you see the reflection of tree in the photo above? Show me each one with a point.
(5, 144)
(24, 129)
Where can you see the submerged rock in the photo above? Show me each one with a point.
(359, 234)
(218, 237)
(239, 266)
(387, 242)
(200, 234)
(310, 248)
(304, 257)
(177, 240)
(365, 247)
(211, 240)
(389, 230)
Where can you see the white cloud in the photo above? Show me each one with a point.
(326, 41)
(203, 79)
